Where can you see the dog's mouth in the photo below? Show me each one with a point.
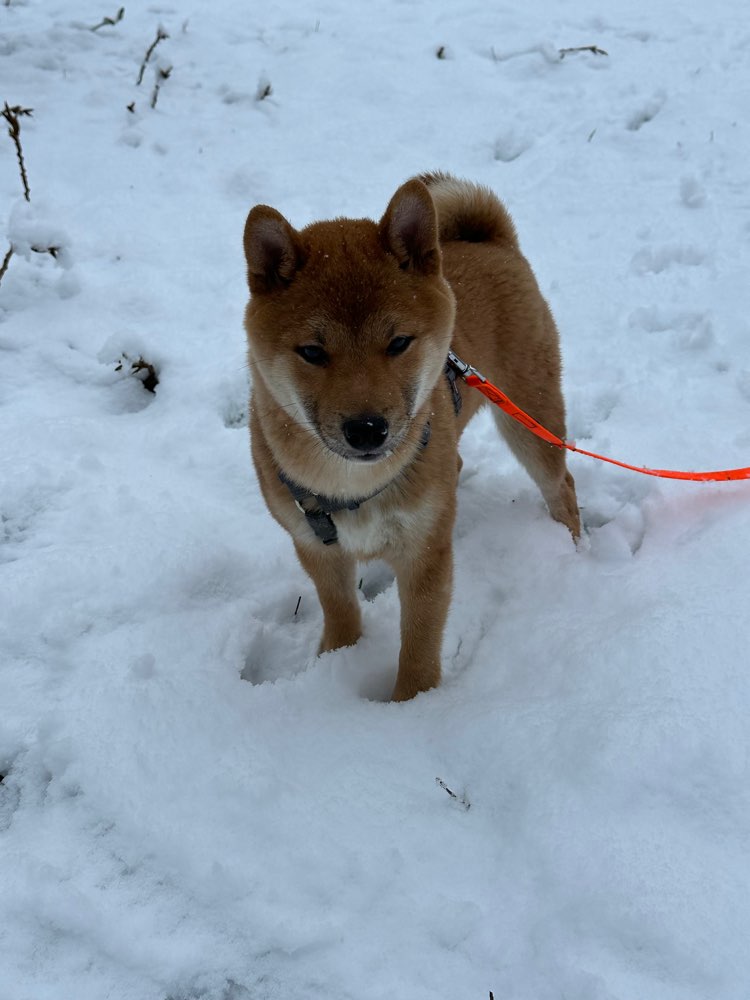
(359, 456)
(370, 456)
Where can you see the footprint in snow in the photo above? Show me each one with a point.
(691, 330)
(273, 653)
(617, 538)
(234, 414)
(510, 145)
(692, 192)
(647, 112)
(654, 260)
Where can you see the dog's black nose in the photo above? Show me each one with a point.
(365, 433)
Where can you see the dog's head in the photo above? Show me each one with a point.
(350, 321)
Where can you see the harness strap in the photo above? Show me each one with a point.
(318, 509)
(452, 375)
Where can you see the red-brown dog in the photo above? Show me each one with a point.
(354, 425)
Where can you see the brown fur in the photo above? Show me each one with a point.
(442, 267)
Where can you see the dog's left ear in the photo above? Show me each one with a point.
(272, 249)
(409, 229)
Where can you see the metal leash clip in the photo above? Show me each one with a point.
(462, 368)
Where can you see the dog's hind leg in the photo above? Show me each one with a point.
(546, 465)
(334, 574)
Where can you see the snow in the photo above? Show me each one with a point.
(194, 806)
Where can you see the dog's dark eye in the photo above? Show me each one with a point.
(313, 354)
(398, 345)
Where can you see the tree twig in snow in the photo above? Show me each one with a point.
(161, 76)
(112, 21)
(460, 799)
(142, 370)
(161, 34)
(52, 251)
(264, 89)
(11, 115)
(583, 48)
(6, 262)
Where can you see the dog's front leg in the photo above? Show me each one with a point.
(424, 586)
(334, 574)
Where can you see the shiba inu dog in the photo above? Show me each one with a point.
(354, 425)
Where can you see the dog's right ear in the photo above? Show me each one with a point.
(409, 229)
(272, 250)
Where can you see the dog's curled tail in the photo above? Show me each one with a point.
(468, 211)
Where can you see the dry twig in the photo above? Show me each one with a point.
(161, 34)
(460, 799)
(142, 370)
(161, 76)
(112, 21)
(583, 48)
(11, 115)
(6, 261)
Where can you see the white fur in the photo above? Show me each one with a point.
(377, 525)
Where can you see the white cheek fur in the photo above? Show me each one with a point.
(281, 385)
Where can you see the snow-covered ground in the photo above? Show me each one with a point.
(193, 806)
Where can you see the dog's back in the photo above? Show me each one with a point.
(504, 327)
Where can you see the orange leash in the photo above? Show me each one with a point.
(477, 381)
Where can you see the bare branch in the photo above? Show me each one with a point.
(6, 262)
(583, 48)
(460, 799)
(161, 34)
(264, 89)
(161, 76)
(11, 115)
(112, 21)
(52, 251)
(143, 370)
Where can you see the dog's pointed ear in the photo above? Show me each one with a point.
(409, 229)
(272, 249)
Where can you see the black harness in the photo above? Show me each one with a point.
(318, 508)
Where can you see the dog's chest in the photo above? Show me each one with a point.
(377, 526)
